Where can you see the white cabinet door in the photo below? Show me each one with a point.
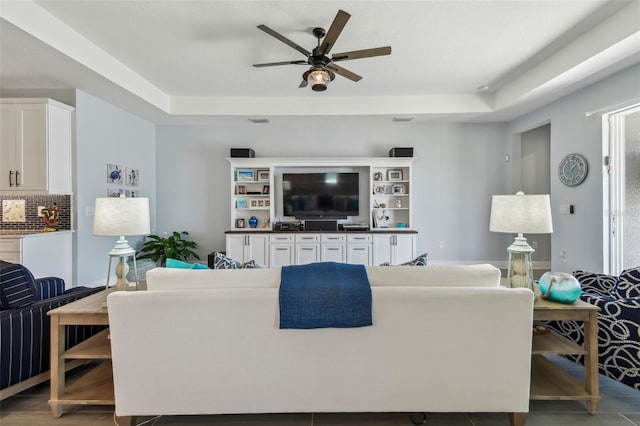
(359, 254)
(235, 246)
(23, 143)
(245, 247)
(258, 249)
(393, 248)
(332, 252)
(281, 255)
(405, 248)
(307, 253)
(35, 146)
(382, 249)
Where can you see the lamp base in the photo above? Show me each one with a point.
(520, 272)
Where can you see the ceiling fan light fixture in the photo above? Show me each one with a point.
(319, 79)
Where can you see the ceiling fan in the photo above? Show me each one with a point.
(323, 69)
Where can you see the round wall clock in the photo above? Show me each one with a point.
(572, 170)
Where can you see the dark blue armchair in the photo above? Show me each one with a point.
(618, 323)
(25, 326)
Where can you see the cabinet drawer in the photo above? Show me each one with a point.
(10, 245)
(359, 238)
(333, 238)
(307, 238)
(281, 238)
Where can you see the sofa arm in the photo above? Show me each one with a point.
(49, 287)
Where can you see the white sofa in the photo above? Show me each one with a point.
(444, 339)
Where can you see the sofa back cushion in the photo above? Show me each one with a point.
(427, 276)
(175, 279)
(17, 287)
(483, 275)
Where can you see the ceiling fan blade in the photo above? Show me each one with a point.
(271, 64)
(344, 72)
(284, 40)
(365, 53)
(303, 83)
(334, 31)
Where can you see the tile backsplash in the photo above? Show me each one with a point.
(32, 221)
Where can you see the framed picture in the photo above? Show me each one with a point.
(114, 174)
(394, 175)
(241, 190)
(239, 223)
(260, 203)
(115, 192)
(245, 175)
(398, 189)
(254, 203)
(132, 193)
(265, 189)
(241, 204)
(263, 175)
(379, 189)
(132, 176)
(267, 203)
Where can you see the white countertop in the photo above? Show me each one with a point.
(12, 233)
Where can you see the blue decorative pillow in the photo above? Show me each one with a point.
(591, 282)
(626, 289)
(174, 263)
(418, 261)
(631, 275)
(220, 261)
(17, 286)
(250, 265)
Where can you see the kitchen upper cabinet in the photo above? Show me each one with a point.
(35, 143)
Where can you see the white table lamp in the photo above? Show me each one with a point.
(121, 217)
(521, 214)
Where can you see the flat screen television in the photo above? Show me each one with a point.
(321, 195)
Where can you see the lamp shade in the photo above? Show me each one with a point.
(520, 213)
(121, 216)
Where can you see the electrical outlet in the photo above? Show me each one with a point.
(563, 256)
(40, 208)
(89, 211)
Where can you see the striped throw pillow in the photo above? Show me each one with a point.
(17, 288)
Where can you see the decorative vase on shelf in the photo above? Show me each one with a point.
(253, 222)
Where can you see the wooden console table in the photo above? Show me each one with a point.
(96, 386)
(550, 382)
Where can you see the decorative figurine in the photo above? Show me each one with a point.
(50, 218)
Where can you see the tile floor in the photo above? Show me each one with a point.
(620, 406)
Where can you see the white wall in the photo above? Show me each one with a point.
(580, 234)
(457, 168)
(106, 134)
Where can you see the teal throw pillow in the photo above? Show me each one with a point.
(174, 263)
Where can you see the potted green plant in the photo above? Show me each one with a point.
(173, 246)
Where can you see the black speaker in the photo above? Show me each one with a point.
(320, 225)
(242, 153)
(401, 152)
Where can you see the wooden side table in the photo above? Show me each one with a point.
(550, 382)
(96, 386)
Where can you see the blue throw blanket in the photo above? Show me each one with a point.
(326, 294)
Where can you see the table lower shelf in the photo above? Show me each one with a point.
(550, 382)
(93, 388)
